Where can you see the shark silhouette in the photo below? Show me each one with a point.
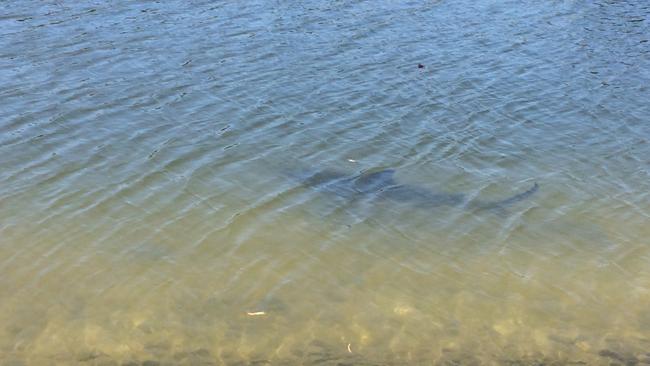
(381, 185)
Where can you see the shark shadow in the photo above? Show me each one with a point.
(382, 186)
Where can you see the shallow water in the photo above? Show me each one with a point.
(148, 202)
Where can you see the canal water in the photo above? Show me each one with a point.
(209, 182)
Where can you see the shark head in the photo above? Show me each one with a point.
(375, 181)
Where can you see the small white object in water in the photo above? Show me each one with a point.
(256, 313)
(403, 309)
(350, 347)
(352, 160)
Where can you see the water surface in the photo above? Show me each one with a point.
(147, 198)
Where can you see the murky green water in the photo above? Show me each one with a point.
(149, 201)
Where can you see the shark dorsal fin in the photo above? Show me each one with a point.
(375, 181)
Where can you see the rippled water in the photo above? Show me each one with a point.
(148, 195)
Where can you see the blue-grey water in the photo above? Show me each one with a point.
(153, 208)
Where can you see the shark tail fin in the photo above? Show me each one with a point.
(502, 204)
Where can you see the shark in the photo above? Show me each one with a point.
(382, 185)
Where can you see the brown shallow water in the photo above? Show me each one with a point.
(148, 204)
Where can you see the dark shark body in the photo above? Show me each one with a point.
(380, 184)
